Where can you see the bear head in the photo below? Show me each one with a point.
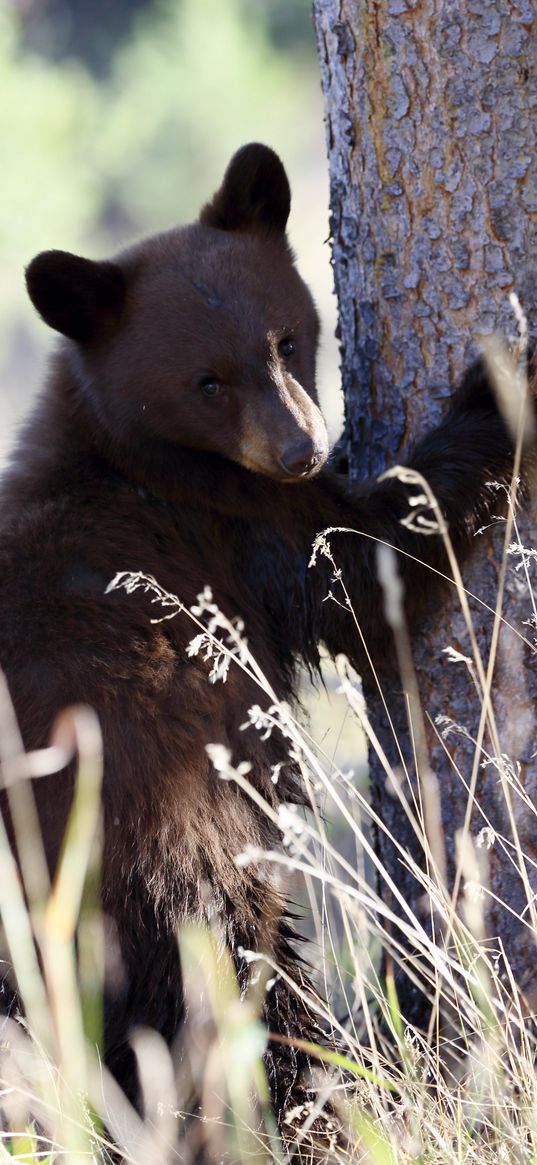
(204, 336)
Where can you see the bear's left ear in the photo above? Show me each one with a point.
(78, 297)
(255, 193)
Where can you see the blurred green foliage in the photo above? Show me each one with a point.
(191, 86)
(193, 81)
(92, 32)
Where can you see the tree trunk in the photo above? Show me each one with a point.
(432, 142)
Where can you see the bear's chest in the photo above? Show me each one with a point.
(253, 571)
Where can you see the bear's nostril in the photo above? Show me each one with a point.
(299, 459)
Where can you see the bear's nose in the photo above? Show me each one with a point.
(300, 459)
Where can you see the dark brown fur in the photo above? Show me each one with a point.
(128, 464)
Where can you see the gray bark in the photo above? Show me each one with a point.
(432, 134)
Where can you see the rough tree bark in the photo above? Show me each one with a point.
(432, 142)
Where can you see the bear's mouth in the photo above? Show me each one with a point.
(301, 460)
(277, 472)
(287, 444)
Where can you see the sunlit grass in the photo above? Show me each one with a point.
(463, 1091)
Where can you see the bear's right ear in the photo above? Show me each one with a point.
(254, 195)
(75, 296)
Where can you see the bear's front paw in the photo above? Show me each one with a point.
(476, 392)
(496, 382)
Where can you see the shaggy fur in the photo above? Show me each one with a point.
(178, 433)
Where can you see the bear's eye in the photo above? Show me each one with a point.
(210, 386)
(286, 347)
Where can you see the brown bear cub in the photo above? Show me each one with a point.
(179, 434)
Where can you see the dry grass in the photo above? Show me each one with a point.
(464, 1091)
